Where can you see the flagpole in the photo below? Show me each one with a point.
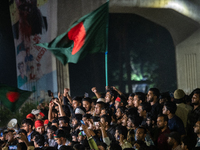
(106, 52)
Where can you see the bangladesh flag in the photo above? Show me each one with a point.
(87, 35)
(12, 97)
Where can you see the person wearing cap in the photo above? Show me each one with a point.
(39, 126)
(30, 116)
(174, 122)
(118, 102)
(27, 125)
(60, 138)
(174, 140)
(182, 110)
(152, 98)
(162, 139)
(46, 122)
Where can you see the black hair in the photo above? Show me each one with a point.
(155, 91)
(115, 146)
(64, 147)
(55, 121)
(143, 128)
(66, 110)
(88, 99)
(54, 110)
(132, 95)
(146, 106)
(135, 120)
(22, 131)
(141, 96)
(28, 122)
(96, 119)
(107, 118)
(39, 139)
(78, 147)
(102, 144)
(88, 116)
(122, 109)
(101, 103)
(165, 95)
(53, 128)
(112, 93)
(187, 141)
(164, 116)
(64, 118)
(122, 130)
(77, 98)
(108, 110)
(171, 106)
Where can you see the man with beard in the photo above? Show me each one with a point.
(39, 127)
(152, 98)
(162, 139)
(27, 125)
(195, 113)
(86, 102)
(174, 140)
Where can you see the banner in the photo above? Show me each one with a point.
(32, 24)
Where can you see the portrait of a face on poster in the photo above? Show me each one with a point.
(32, 23)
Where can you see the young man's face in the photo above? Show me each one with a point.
(195, 99)
(118, 113)
(124, 120)
(40, 129)
(160, 122)
(62, 123)
(150, 96)
(86, 105)
(164, 110)
(117, 135)
(75, 104)
(140, 111)
(197, 127)
(25, 127)
(130, 101)
(49, 134)
(136, 101)
(140, 134)
(58, 141)
(98, 109)
(102, 120)
(117, 104)
(108, 97)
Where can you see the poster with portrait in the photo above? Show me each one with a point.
(33, 21)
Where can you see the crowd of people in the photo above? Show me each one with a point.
(112, 120)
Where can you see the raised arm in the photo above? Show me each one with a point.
(94, 90)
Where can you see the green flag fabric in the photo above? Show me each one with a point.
(87, 35)
(12, 97)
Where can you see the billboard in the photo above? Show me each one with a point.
(33, 22)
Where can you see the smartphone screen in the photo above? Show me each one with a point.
(12, 147)
(82, 122)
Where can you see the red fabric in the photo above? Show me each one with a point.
(12, 96)
(77, 34)
(46, 121)
(39, 123)
(118, 99)
(41, 114)
(30, 116)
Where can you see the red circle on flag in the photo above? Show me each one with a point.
(12, 96)
(77, 34)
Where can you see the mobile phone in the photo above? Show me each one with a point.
(82, 122)
(12, 147)
(86, 95)
(49, 93)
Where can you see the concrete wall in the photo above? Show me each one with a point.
(188, 63)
